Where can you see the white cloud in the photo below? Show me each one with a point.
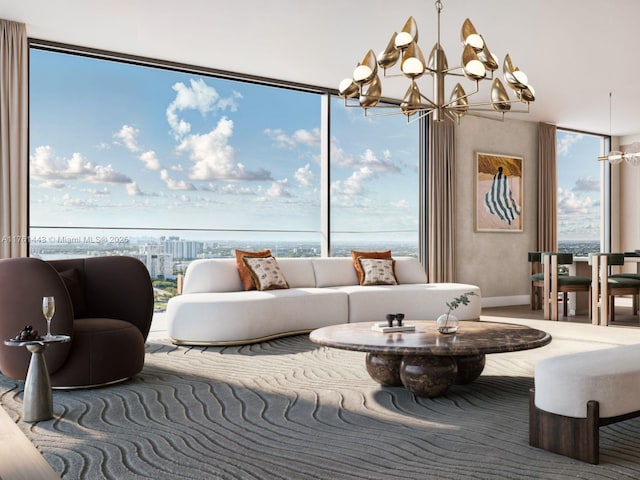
(214, 158)
(231, 189)
(309, 138)
(150, 160)
(107, 175)
(401, 204)
(587, 184)
(56, 184)
(69, 201)
(279, 189)
(197, 96)
(304, 176)
(570, 203)
(353, 185)
(175, 184)
(46, 166)
(133, 189)
(564, 145)
(128, 136)
(98, 192)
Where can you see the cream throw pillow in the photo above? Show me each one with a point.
(265, 273)
(378, 271)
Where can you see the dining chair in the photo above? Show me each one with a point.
(537, 279)
(556, 283)
(605, 286)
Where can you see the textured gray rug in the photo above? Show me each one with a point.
(288, 409)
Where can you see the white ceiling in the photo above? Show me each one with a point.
(574, 51)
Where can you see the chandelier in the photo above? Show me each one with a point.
(478, 64)
(631, 154)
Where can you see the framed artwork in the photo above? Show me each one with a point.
(498, 193)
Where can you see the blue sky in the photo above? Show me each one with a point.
(119, 145)
(578, 185)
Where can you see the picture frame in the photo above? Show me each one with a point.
(498, 193)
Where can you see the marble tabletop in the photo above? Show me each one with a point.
(472, 338)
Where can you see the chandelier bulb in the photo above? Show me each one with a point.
(408, 34)
(367, 69)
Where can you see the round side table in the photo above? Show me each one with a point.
(37, 401)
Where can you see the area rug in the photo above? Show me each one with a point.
(289, 409)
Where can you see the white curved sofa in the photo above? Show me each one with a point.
(214, 309)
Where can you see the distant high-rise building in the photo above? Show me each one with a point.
(158, 262)
(182, 249)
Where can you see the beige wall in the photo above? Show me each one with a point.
(496, 262)
(627, 197)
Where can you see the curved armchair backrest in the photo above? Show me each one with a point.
(23, 283)
(116, 287)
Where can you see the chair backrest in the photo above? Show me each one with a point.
(612, 258)
(563, 258)
(615, 258)
(535, 262)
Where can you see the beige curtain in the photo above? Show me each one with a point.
(441, 179)
(547, 189)
(13, 139)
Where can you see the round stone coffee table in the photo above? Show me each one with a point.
(425, 361)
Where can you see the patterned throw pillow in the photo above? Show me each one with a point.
(357, 255)
(378, 271)
(265, 273)
(245, 274)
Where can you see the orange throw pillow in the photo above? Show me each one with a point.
(243, 270)
(355, 254)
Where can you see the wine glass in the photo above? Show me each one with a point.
(48, 309)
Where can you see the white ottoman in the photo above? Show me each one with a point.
(575, 394)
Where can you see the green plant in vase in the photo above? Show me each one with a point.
(448, 323)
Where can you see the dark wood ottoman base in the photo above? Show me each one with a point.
(577, 438)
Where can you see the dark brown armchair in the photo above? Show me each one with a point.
(104, 303)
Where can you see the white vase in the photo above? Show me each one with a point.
(447, 323)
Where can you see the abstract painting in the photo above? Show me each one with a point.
(498, 193)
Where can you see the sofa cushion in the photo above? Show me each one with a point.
(212, 275)
(357, 254)
(245, 274)
(298, 271)
(409, 270)
(265, 273)
(334, 271)
(417, 301)
(377, 271)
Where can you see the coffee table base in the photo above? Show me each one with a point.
(424, 375)
(384, 369)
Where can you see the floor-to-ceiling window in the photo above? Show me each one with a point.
(171, 164)
(374, 182)
(582, 181)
